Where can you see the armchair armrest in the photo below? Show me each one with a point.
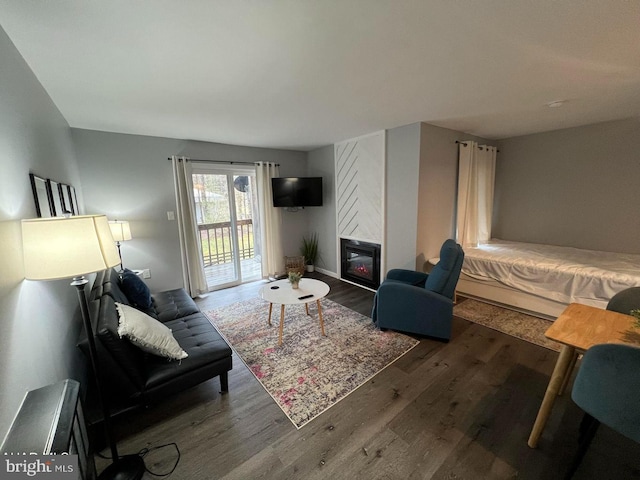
(408, 276)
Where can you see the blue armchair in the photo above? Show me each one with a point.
(417, 302)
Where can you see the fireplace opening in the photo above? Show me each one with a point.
(360, 262)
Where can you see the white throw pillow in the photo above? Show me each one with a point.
(148, 333)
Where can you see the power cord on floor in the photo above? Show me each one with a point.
(145, 451)
(142, 453)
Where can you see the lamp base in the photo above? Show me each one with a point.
(129, 467)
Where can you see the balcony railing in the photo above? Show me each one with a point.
(217, 245)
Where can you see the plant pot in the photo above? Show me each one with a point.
(294, 285)
(310, 268)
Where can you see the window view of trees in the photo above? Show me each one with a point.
(211, 196)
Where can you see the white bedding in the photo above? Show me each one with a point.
(563, 274)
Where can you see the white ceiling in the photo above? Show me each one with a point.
(300, 74)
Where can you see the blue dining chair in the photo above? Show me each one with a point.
(607, 388)
(625, 301)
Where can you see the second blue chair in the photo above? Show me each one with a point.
(607, 388)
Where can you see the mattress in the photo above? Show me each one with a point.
(563, 274)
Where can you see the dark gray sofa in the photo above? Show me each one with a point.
(131, 377)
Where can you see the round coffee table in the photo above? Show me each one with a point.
(281, 292)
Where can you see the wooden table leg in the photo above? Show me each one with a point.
(565, 381)
(320, 316)
(270, 308)
(281, 323)
(557, 377)
(307, 307)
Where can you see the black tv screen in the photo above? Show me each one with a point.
(297, 191)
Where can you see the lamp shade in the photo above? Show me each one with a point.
(55, 248)
(120, 230)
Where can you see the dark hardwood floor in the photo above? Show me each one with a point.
(457, 410)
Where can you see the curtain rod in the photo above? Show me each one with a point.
(465, 144)
(223, 161)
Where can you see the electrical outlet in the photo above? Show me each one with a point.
(146, 273)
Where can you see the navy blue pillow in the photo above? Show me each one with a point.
(135, 290)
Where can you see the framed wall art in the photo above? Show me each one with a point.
(73, 199)
(56, 199)
(65, 197)
(41, 195)
(53, 199)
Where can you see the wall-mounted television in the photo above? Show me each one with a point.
(297, 191)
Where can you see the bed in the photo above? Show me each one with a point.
(544, 279)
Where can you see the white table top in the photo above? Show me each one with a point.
(286, 295)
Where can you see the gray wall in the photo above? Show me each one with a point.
(438, 186)
(576, 187)
(322, 220)
(437, 189)
(39, 321)
(403, 165)
(128, 177)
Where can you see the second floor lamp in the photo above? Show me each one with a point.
(121, 232)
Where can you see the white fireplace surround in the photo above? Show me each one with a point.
(360, 197)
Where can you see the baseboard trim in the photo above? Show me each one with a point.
(327, 272)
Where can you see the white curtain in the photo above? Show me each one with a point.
(270, 222)
(476, 179)
(193, 275)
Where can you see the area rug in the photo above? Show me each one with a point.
(308, 373)
(516, 324)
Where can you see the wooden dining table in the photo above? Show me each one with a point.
(578, 328)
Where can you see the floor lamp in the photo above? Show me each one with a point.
(58, 248)
(121, 233)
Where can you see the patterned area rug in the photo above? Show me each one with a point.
(507, 321)
(308, 373)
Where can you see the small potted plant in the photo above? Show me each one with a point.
(294, 278)
(309, 249)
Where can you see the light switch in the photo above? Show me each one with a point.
(171, 215)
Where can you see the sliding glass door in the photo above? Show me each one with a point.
(226, 212)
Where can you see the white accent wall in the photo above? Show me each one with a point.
(360, 165)
(420, 194)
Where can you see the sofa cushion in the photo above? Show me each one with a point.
(148, 333)
(113, 290)
(135, 289)
(173, 304)
(128, 357)
(199, 339)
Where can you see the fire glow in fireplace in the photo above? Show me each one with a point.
(360, 262)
